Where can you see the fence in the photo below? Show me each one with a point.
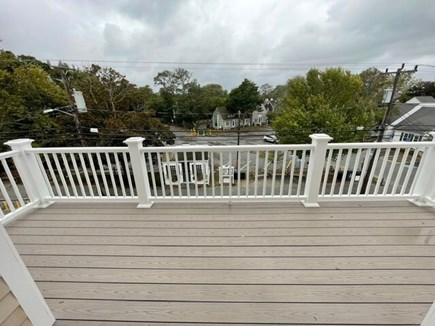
(318, 171)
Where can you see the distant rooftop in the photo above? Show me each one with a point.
(421, 99)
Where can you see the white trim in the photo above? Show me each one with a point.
(19, 212)
(21, 283)
(429, 320)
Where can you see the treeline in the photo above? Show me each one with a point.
(334, 101)
(118, 108)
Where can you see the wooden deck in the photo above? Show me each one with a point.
(242, 264)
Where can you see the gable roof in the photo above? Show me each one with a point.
(222, 110)
(400, 109)
(414, 115)
(421, 120)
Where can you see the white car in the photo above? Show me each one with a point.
(270, 139)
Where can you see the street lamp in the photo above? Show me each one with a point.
(76, 121)
(58, 110)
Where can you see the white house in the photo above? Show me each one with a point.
(412, 120)
(222, 119)
(259, 115)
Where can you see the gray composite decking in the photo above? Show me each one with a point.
(346, 263)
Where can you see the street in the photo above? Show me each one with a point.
(253, 136)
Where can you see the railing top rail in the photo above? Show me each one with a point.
(381, 145)
(226, 148)
(8, 154)
(202, 148)
(46, 150)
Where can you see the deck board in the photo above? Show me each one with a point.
(345, 263)
(235, 312)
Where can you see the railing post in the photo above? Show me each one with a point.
(315, 169)
(426, 176)
(140, 172)
(21, 283)
(30, 172)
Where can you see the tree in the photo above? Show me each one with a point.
(118, 108)
(25, 91)
(106, 88)
(420, 88)
(174, 82)
(115, 106)
(374, 84)
(174, 85)
(266, 90)
(245, 97)
(329, 101)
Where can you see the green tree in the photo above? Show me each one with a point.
(329, 101)
(174, 82)
(213, 96)
(419, 88)
(118, 109)
(245, 97)
(25, 91)
(175, 85)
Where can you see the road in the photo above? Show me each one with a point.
(247, 137)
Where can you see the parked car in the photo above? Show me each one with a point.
(270, 139)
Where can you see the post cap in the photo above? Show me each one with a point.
(134, 140)
(321, 137)
(19, 142)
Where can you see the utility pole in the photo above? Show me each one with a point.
(383, 125)
(72, 103)
(238, 139)
(238, 129)
(391, 102)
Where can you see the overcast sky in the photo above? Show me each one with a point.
(267, 41)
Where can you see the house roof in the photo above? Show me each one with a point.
(422, 120)
(227, 115)
(400, 109)
(421, 99)
(222, 111)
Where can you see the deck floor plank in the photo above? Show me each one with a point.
(222, 251)
(345, 263)
(231, 263)
(238, 312)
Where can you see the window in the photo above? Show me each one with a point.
(406, 136)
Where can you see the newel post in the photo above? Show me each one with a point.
(426, 176)
(30, 172)
(315, 169)
(140, 172)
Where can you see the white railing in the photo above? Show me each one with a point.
(13, 194)
(20, 282)
(372, 170)
(86, 173)
(312, 172)
(223, 172)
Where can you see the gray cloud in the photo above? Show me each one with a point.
(298, 33)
